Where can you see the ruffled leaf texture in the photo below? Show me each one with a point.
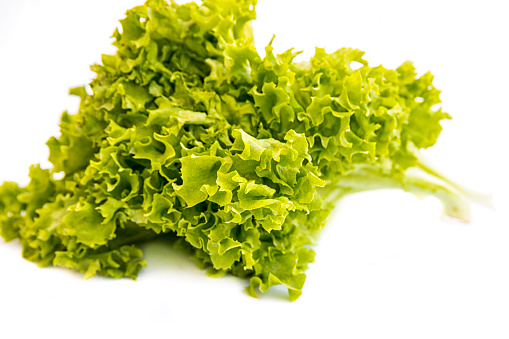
(188, 132)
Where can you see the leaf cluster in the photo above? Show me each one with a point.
(188, 132)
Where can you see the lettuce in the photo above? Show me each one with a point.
(188, 132)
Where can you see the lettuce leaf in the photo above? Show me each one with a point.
(189, 132)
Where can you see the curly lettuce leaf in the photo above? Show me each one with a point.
(189, 133)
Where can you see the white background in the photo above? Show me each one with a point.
(387, 266)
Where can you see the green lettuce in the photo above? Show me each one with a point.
(188, 132)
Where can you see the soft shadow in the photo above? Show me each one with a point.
(160, 255)
(277, 293)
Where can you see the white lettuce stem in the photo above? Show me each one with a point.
(456, 201)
